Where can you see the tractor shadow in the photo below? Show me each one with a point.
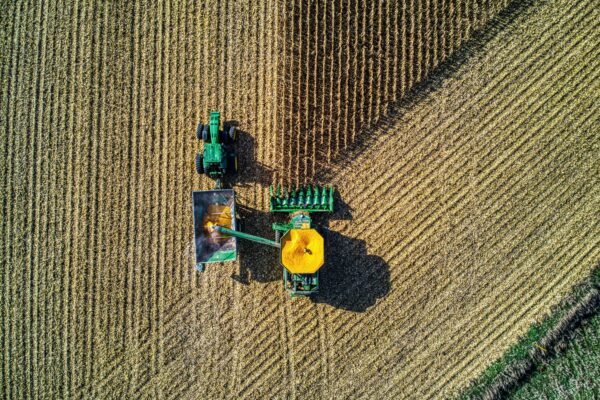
(250, 170)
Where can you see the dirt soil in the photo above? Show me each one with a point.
(462, 138)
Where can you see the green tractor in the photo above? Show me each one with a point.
(219, 158)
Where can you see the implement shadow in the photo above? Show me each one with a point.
(257, 262)
(250, 170)
(352, 279)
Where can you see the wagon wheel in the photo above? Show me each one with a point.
(199, 164)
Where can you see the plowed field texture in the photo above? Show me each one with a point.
(463, 138)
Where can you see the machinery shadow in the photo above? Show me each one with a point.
(257, 262)
(250, 170)
(351, 279)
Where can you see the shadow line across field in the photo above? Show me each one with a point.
(448, 68)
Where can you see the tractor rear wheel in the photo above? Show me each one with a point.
(223, 137)
(232, 164)
(199, 131)
(199, 164)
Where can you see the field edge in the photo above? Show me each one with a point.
(544, 340)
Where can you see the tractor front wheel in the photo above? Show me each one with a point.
(199, 131)
(205, 134)
(199, 164)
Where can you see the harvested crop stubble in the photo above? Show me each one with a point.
(466, 210)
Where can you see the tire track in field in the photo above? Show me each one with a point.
(163, 52)
(46, 188)
(10, 31)
(116, 225)
(132, 156)
(34, 198)
(67, 303)
(16, 224)
(85, 175)
(54, 247)
(111, 148)
(44, 302)
(10, 320)
(96, 188)
(146, 212)
(25, 184)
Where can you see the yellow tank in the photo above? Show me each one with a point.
(302, 251)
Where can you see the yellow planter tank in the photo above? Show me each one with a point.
(302, 251)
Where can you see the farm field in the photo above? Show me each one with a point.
(569, 375)
(553, 358)
(462, 138)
